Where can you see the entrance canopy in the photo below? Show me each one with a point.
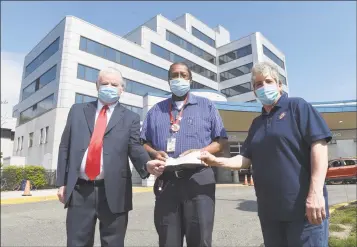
(237, 117)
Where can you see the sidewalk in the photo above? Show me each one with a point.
(15, 197)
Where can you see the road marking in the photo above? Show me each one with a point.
(31, 199)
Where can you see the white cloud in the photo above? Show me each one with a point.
(11, 75)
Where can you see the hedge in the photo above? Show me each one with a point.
(15, 174)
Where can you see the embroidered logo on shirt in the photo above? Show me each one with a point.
(282, 115)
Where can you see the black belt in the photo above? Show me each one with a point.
(96, 183)
(179, 174)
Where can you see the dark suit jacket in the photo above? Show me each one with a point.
(121, 140)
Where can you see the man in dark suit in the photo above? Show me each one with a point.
(93, 172)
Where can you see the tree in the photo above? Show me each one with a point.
(4, 116)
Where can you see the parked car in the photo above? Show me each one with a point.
(342, 170)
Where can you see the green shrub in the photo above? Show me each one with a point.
(37, 175)
(13, 175)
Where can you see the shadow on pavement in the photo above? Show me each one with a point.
(247, 205)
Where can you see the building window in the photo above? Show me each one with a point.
(46, 134)
(236, 54)
(21, 142)
(87, 73)
(40, 82)
(42, 135)
(282, 79)
(135, 109)
(173, 38)
(40, 59)
(236, 72)
(273, 57)
(82, 98)
(252, 101)
(238, 89)
(37, 109)
(198, 34)
(91, 74)
(119, 57)
(172, 57)
(234, 148)
(31, 139)
(197, 85)
(138, 88)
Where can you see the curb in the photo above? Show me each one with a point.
(333, 207)
(31, 199)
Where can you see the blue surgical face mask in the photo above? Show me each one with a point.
(268, 94)
(179, 86)
(108, 94)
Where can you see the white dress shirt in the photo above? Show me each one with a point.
(83, 174)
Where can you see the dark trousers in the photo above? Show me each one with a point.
(298, 233)
(185, 207)
(87, 204)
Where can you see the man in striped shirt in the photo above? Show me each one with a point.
(185, 199)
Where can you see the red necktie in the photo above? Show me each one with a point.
(95, 146)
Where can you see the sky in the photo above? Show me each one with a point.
(317, 38)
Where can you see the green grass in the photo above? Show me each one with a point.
(345, 216)
(336, 228)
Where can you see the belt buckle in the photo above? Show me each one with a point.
(177, 174)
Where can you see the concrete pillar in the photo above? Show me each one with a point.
(235, 177)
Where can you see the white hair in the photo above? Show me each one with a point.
(113, 71)
(265, 69)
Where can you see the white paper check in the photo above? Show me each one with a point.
(191, 158)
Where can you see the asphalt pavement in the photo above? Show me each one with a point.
(236, 221)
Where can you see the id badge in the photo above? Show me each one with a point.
(171, 144)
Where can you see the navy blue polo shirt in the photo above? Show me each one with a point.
(200, 125)
(279, 145)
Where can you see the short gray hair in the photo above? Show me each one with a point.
(265, 69)
(114, 71)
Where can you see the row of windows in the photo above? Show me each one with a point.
(172, 57)
(197, 85)
(119, 57)
(37, 109)
(282, 79)
(237, 89)
(273, 57)
(91, 74)
(40, 82)
(173, 38)
(236, 54)
(236, 72)
(82, 98)
(43, 139)
(198, 34)
(40, 59)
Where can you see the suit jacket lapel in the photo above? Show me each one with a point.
(89, 112)
(117, 116)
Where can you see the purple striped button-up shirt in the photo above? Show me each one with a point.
(200, 125)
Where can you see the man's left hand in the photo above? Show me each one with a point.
(315, 207)
(189, 151)
(155, 167)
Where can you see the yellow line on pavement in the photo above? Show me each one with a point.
(30, 199)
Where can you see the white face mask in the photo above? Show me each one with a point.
(179, 86)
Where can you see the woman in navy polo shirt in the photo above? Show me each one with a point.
(287, 145)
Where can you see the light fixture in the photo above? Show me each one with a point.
(340, 121)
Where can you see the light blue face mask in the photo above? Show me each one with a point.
(179, 86)
(268, 94)
(108, 94)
